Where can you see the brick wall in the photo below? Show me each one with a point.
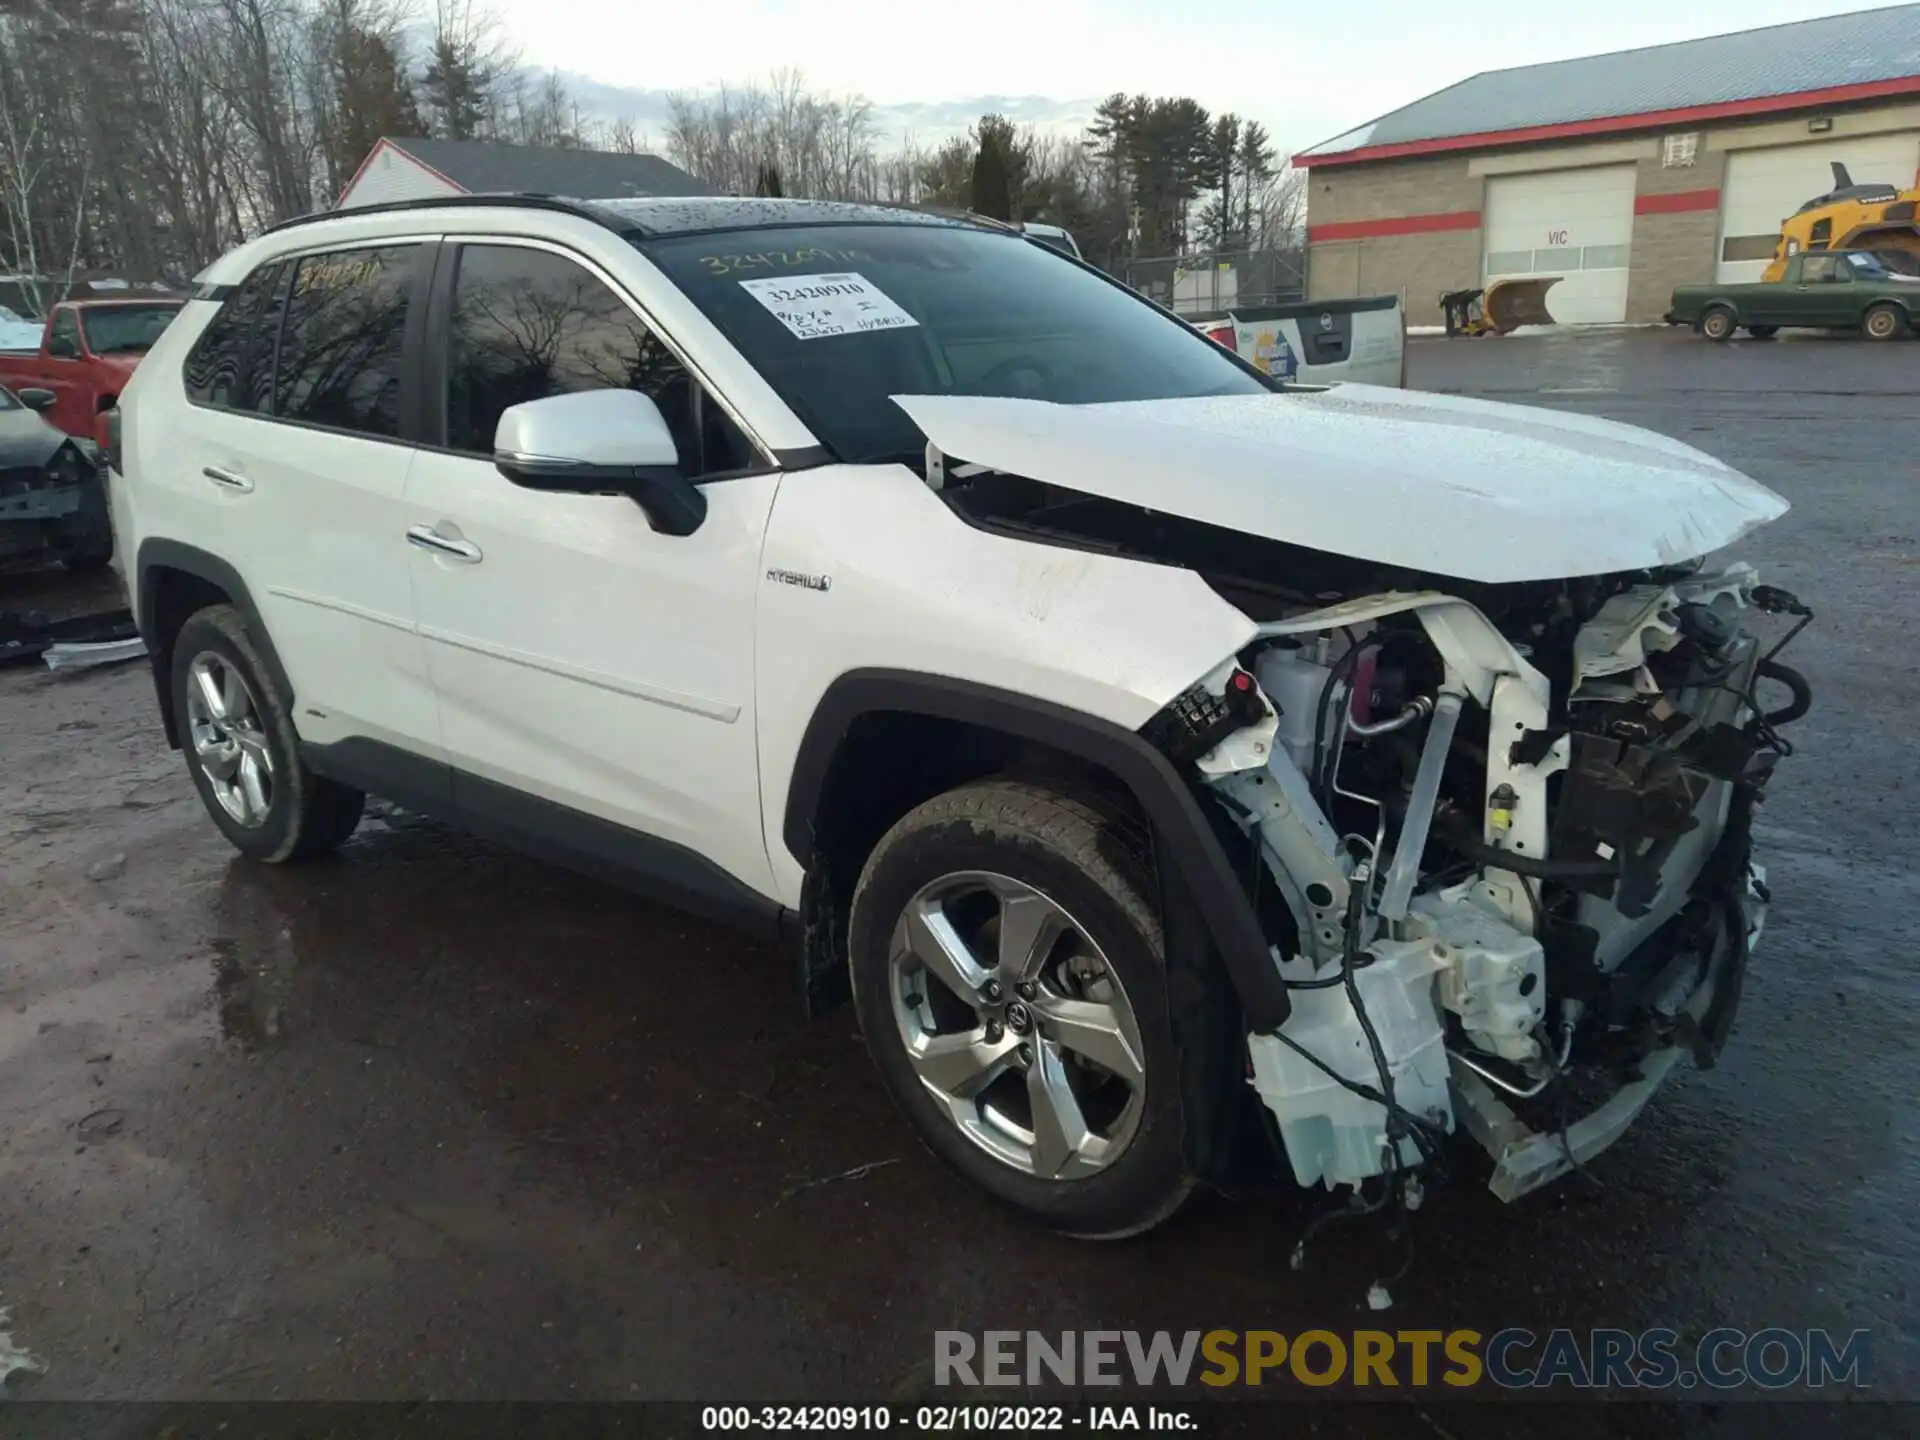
(1418, 267)
(1425, 186)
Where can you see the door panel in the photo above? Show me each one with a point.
(1823, 294)
(66, 376)
(578, 655)
(305, 472)
(582, 657)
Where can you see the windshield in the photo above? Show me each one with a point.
(125, 329)
(839, 319)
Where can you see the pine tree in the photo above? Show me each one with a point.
(992, 183)
(1256, 168)
(455, 85)
(372, 96)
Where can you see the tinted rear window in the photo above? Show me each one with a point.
(340, 346)
(231, 363)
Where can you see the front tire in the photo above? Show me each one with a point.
(236, 729)
(1717, 324)
(1883, 322)
(1010, 978)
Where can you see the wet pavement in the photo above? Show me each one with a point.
(433, 1119)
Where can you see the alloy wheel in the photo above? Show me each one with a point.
(228, 739)
(1017, 1025)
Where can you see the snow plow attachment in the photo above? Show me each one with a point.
(1509, 304)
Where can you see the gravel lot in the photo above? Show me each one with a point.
(434, 1119)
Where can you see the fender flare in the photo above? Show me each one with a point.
(160, 554)
(1181, 827)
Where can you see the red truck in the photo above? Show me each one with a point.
(87, 351)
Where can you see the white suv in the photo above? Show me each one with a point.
(1143, 742)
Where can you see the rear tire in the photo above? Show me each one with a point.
(970, 868)
(1883, 322)
(1763, 332)
(1717, 324)
(236, 730)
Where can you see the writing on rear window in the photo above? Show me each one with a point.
(780, 259)
(813, 307)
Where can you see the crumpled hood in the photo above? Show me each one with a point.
(1470, 489)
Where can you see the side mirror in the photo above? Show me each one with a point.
(596, 442)
(37, 399)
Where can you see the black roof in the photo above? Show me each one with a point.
(478, 166)
(693, 216)
(643, 218)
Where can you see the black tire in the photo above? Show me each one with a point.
(1884, 322)
(307, 816)
(1079, 856)
(1763, 332)
(1717, 324)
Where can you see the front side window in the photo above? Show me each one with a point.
(126, 329)
(341, 342)
(838, 319)
(63, 335)
(1818, 268)
(231, 364)
(526, 324)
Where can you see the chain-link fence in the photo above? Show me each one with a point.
(1216, 281)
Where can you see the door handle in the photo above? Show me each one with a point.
(428, 538)
(227, 479)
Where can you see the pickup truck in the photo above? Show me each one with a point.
(1361, 339)
(86, 352)
(1833, 289)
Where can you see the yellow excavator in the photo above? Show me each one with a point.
(1879, 218)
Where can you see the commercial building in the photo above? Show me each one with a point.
(1626, 174)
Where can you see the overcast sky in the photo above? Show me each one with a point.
(1306, 71)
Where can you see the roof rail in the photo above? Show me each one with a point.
(512, 199)
(952, 212)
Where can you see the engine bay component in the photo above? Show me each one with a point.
(1333, 1134)
(1512, 833)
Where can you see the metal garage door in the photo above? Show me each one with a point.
(1764, 187)
(1577, 224)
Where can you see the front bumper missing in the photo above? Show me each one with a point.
(1525, 1159)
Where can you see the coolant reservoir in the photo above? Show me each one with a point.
(1333, 1136)
(1295, 685)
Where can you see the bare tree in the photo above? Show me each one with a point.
(822, 145)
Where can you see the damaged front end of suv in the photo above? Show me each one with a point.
(1512, 845)
(1492, 788)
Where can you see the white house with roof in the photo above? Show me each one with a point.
(400, 168)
